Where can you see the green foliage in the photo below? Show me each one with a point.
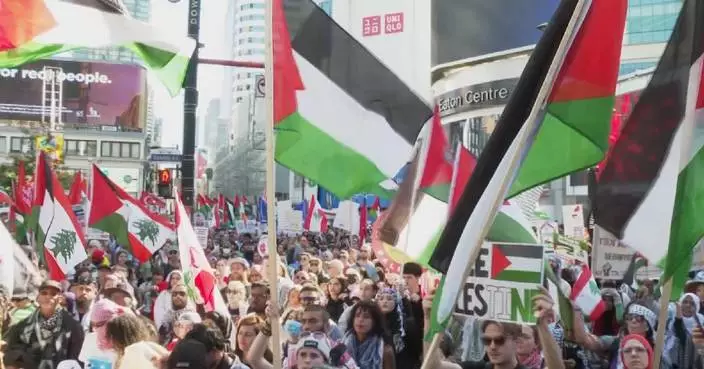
(148, 230)
(8, 172)
(64, 242)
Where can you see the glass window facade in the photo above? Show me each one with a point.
(650, 21)
(630, 67)
(326, 5)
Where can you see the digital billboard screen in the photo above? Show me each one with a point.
(91, 94)
(464, 29)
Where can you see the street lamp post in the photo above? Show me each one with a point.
(190, 104)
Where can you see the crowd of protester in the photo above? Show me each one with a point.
(338, 307)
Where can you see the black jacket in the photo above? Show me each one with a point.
(26, 353)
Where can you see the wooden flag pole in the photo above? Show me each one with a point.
(273, 271)
(529, 128)
(662, 323)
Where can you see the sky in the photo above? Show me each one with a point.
(168, 15)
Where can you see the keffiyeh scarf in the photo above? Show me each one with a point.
(366, 354)
(400, 333)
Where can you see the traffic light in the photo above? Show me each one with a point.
(165, 183)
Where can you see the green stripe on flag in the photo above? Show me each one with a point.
(520, 276)
(436, 325)
(309, 151)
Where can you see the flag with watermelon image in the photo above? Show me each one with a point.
(586, 293)
(31, 30)
(586, 76)
(316, 218)
(198, 275)
(517, 263)
(126, 218)
(59, 239)
(316, 60)
(657, 163)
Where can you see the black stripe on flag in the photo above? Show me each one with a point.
(514, 115)
(640, 152)
(321, 41)
(522, 251)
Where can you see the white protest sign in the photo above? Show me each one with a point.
(263, 245)
(347, 216)
(569, 249)
(503, 282)
(546, 229)
(573, 219)
(610, 258)
(202, 235)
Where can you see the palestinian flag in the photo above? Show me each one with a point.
(517, 263)
(197, 273)
(316, 218)
(436, 173)
(230, 212)
(574, 134)
(342, 118)
(650, 192)
(463, 159)
(59, 238)
(507, 147)
(126, 218)
(35, 29)
(78, 190)
(587, 295)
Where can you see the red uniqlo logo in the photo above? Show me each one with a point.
(371, 26)
(393, 23)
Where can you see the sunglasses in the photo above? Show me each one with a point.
(635, 317)
(499, 341)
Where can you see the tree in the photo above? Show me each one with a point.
(148, 230)
(8, 172)
(63, 242)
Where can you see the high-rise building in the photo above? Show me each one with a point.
(648, 27)
(138, 9)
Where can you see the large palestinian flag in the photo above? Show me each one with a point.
(342, 118)
(116, 212)
(651, 192)
(35, 29)
(59, 238)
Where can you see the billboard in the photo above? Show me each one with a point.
(464, 29)
(90, 94)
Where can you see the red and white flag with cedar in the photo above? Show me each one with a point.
(586, 294)
(196, 269)
(79, 189)
(316, 219)
(54, 224)
(127, 219)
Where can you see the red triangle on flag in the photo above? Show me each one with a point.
(499, 261)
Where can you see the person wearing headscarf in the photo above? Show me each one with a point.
(610, 321)
(636, 352)
(678, 343)
(398, 320)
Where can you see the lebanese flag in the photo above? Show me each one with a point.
(127, 219)
(587, 295)
(316, 219)
(54, 224)
(196, 268)
(79, 189)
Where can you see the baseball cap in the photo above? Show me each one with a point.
(188, 354)
(317, 340)
(50, 284)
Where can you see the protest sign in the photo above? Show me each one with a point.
(570, 250)
(202, 235)
(263, 245)
(610, 258)
(503, 282)
(573, 219)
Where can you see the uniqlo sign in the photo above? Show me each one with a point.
(393, 23)
(371, 26)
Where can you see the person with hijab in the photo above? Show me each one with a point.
(636, 352)
(678, 341)
(406, 337)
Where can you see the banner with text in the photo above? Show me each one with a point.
(504, 280)
(573, 218)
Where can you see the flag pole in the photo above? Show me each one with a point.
(503, 183)
(273, 271)
(662, 323)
